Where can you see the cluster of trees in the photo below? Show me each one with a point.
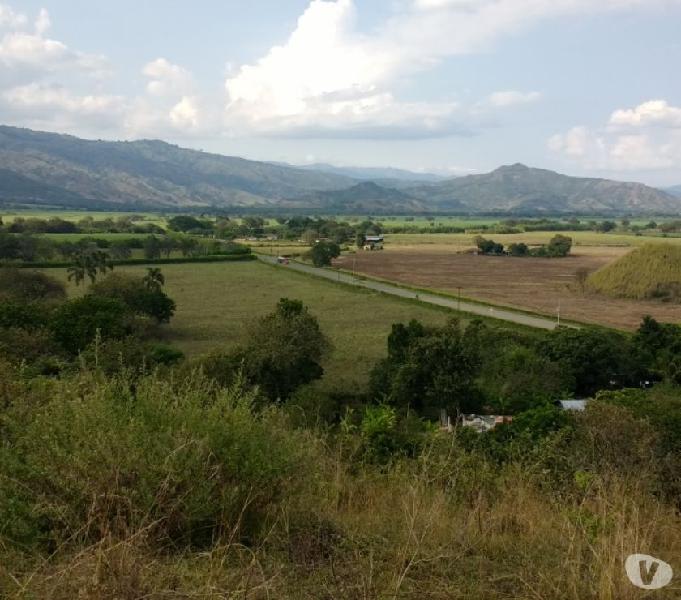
(558, 246)
(122, 224)
(479, 369)
(31, 248)
(45, 331)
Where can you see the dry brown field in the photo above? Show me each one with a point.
(540, 285)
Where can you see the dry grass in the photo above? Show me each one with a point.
(535, 284)
(651, 271)
(401, 536)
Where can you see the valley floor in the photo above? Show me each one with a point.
(540, 285)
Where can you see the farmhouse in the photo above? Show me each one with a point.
(373, 242)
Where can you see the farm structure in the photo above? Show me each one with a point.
(373, 242)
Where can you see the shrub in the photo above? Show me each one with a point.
(24, 316)
(29, 286)
(76, 323)
(137, 296)
(189, 465)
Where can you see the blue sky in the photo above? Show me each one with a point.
(586, 87)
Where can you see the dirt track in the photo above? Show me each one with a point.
(535, 284)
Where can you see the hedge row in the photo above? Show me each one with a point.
(143, 261)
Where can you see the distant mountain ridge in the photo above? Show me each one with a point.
(518, 189)
(366, 196)
(143, 174)
(39, 168)
(674, 190)
(376, 174)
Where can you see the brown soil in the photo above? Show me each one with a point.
(536, 284)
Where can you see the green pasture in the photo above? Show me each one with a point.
(216, 303)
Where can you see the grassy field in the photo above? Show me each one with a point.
(580, 239)
(216, 302)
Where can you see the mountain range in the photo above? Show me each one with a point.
(674, 190)
(48, 169)
(376, 174)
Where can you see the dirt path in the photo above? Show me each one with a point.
(454, 304)
(533, 284)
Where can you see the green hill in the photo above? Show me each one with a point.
(652, 271)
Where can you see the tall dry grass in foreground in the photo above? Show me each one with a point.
(184, 491)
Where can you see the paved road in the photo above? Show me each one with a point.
(386, 288)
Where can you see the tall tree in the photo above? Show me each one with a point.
(88, 262)
(154, 279)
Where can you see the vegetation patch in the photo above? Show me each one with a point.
(650, 272)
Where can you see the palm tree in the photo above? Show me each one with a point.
(88, 262)
(154, 279)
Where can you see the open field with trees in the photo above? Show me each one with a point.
(302, 457)
(216, 303)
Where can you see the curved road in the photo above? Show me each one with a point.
(453, 303)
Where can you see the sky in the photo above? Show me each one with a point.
(584, 87)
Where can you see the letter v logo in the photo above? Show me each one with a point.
(648, 572)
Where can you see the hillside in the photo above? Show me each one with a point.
(652, 271)
(376, 174)
(46, 168)
(366, 196)
(674, 190)
(523, 190)
(58, 170)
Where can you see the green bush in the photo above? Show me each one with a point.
(140, 298)
(187, 463)
(29, 286)
(76, 323)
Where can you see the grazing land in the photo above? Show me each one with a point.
(439, 262)
(216, 303)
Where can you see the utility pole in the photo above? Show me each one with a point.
(558, 313)
(459, 303)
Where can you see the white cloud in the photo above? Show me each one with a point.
(185, 114)
(54, 97)
(651, 113)
(27, 54)
(42, 23)
(166, 78)
(328, 74)
(50, 105)
(9, 18)
(512, 98)
(646, 137)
